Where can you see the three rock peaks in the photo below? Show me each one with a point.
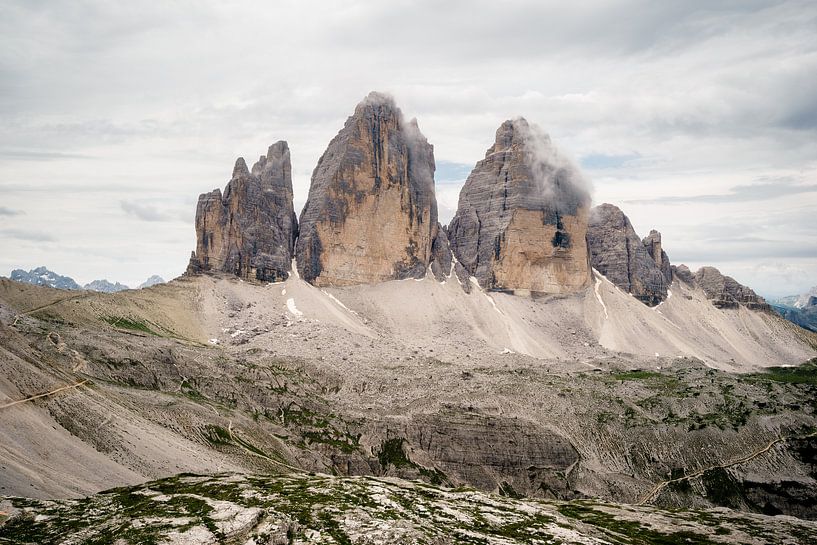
(523, 222)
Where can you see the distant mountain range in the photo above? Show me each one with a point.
(42, 276)
(800, 309)
(152, 281)
(105, 286)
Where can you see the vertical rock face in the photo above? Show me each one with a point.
(521, 221)
(250, 230)
(653, 244)
(371, 214)
(726, 292)
(639, 267)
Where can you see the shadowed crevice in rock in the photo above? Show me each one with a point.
(250, 230)
(521, 221)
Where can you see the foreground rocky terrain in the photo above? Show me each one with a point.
(412, 379)
(310, 508)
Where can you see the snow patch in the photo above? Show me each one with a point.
(213, 341)
(338, 302)
(598, 297)
(292, 308)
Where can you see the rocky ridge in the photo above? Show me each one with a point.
(641, 268)
(152, 281)
(371, 214)
(250, 230)
(42, 276)
(105, 286)
(726, 292)
(521, 221)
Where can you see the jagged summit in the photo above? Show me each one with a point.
(42, 276)
(522, 216)
(726, 292)
(105, 286)
(152, 281)
(250, 230)
(639, 267)
(371, 214)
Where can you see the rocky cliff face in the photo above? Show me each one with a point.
(726, 292)
(371, 214)
(250, 230)
(639, 267)
(521, 221)
(653, 244)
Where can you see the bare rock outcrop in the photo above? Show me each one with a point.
(250, 230)
(726, 292)
(521, 221)
(653, 244)
(371, 214)
(639, 267)
(682, 273)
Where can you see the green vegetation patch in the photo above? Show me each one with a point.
(801, 374)
(392, 454)
(637, 375)
(132, 324)
(628, 531)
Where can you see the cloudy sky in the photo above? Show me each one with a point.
(698, 118)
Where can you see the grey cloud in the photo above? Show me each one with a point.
(23, 234)
(5, 211)
(35, 155)
(600, 161)
(729, 252)
(531, 28)
(146, 212)
(738, 193)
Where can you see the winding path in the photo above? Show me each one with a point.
(749, 457)
(45, 394)
(51, 304)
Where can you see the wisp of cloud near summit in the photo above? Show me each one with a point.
(114, 117)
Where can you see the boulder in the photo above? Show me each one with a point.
(521, 221)
(250, 230)
(371, 215)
